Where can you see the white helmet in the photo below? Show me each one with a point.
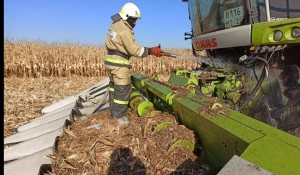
(130, 10)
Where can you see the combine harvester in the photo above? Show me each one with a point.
(261, 39)
(243, 104)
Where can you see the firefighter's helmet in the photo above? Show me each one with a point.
(130, 10)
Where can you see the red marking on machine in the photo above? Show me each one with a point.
(207, 43)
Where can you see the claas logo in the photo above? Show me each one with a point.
(208, 43)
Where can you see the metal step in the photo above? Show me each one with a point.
(237, 165)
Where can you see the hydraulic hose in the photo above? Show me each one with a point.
(258, 85)
(254, 90)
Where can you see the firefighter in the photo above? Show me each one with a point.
(121, 45)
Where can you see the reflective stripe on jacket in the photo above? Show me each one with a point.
(119, 62)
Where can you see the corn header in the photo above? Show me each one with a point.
(205, 102)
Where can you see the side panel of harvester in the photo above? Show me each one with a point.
(228, 133)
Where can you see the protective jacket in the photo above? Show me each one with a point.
(121, 45)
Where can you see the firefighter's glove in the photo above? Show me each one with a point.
(156, 51)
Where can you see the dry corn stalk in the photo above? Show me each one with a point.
(39, 59)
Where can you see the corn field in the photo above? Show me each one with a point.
(39, 59)
(37, 74)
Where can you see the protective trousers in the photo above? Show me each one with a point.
(119, 89)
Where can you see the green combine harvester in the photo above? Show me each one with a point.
(261, 39)
(245, 105)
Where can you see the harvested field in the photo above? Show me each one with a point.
(134, 149)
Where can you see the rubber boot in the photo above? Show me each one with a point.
(123, 120)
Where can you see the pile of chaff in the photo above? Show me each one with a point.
(150, 145)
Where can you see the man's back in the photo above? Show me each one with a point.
(115, 37)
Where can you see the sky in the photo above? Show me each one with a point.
(86, 21)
